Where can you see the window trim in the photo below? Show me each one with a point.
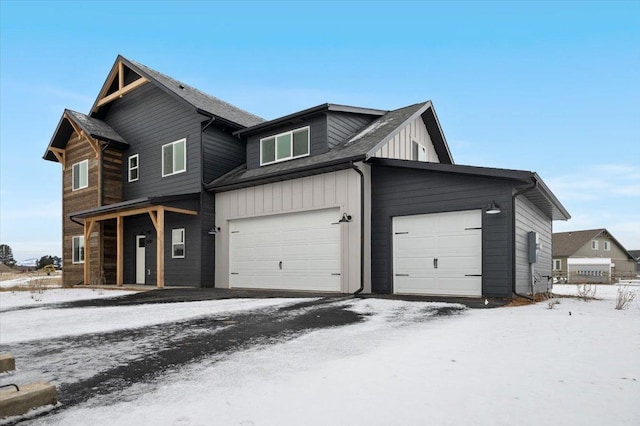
(136, 168)
(557, 262)
(173, 144)
(594, 244)
(73, 249)
(73, 175)
(290, 157)
(174, 244)
(606, 246)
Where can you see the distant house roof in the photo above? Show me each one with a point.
(565, 244)
(635, 254)
(361, 146)
(93, 127)
(202, 102)
(540, 195)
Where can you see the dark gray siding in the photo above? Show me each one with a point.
(318, 141)
(148, 118)
(400, 192)
(222, 152)
(530, 218)
(341, 126)
(139, 225)
(208, 242)
(186, 271)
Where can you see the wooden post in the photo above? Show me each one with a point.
(88, 228)
(160, 247)
(119, 251)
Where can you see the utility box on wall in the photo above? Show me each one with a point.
(534, 246)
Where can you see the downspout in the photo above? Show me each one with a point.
(513, 219)
(205, 127)
(354, 167)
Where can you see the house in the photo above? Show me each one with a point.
(592, 255)
(636, 256)
(169, 186)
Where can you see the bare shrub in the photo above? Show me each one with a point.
(625, 297)
(37, 286)
(551, 301)
(587, 291)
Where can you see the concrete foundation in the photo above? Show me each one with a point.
(16, 403)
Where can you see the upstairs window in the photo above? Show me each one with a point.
(174, 158)
(419, 152)
(78, 249)
(607, 246)
(285, 146)
(177, 243)
(134, 163)
(594, 245)
(80, 175)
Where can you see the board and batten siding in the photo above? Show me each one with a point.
(529, 218)
(148, 118)
(401, 192)
(342, 126)
(329, 190)
(400, 146)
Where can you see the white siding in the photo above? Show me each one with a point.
(530, 218)
(399, 147)
(336, 189)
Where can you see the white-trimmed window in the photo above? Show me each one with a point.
(174, 158)
(557, 264)
(594, 244)
(419, 152)
(77, 247)
(80, 175)
(607, 246)
(177, 243)
(134, 167)
(284, 146)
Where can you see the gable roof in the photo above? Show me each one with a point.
(202, 102)
(565, 244)
(93, 127)
(360, 147)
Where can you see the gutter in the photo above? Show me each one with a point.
(354, 167)
(533, 185)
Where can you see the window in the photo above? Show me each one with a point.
(174, 158)
(594, 245)
(134, 163)
(557, 264)
(607, 246)
(80, 175)
(78, 249)
(285, 146)
(419, 152)
(177, 243)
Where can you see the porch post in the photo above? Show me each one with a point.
(160, 247)
(88, 228)
(119, 251)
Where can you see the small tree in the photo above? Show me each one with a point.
(44, 261)
(6, 255)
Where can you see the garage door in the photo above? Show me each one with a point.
(298, 251)
(438, 254)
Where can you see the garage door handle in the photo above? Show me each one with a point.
(473, 275)
(435, 263)
(280, 264)
(402, 275)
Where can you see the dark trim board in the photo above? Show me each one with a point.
(402, 192)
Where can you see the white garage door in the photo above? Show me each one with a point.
(438, 254)
(297, 251)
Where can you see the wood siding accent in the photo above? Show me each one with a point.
(318, 138)
(148, 118)
(336, 189)
(399, 147)
(530, 218)
(342, 126)
(401, 192)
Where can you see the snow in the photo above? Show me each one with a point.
(25, 281)
(575, 364)
(19, 299)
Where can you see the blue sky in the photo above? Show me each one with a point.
(550, 87)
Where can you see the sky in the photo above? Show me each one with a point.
(550, 87)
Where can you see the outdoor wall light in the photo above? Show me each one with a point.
(493, 208)
(346, 218)
(214, 230)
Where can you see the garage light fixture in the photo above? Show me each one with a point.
(493, 208)
(214, 230)
(346, 218)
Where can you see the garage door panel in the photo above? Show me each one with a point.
(453, 239)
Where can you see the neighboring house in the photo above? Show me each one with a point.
(636, 256)
(333, 198)
(592, 255)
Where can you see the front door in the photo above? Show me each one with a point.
(140, 259)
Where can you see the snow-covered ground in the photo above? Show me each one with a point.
(575, 364)
(26, 280)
